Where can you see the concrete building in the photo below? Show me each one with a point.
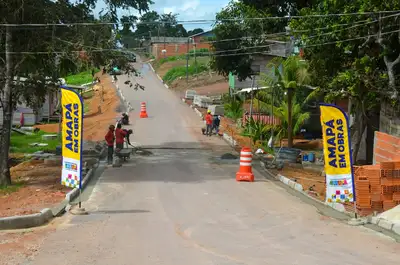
(170, 46)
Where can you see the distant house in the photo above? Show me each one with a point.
(202, 36)
(161, 47)
(30, 116)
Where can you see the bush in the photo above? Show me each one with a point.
(256, 130)
(180, 71)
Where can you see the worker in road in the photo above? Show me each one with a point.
(209, 123)
(110, 143)
(119, 137)
(216, 123)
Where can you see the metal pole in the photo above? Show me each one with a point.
(80, 200)
(195, 59)
(272, 116)
(187, 61)
(251, 101)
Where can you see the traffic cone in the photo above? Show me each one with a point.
(143, 112)
(245, 172)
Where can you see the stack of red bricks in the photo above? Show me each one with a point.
(377, 187)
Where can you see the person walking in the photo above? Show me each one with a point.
(110, 143)
(119, 137)
(216, 123)
(209, 123)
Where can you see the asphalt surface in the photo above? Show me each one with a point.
(182, 206)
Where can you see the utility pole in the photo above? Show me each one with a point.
(195, 59)
(187, 61)
(164, 29)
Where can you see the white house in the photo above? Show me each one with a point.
(45, 112)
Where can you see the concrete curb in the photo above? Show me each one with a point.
(26, 221)
(385, 224)
(152, 69)
(232, 142)
(299, 188)
(45, 215)
(127, 104)
(198, 112)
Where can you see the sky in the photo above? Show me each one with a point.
(187, 10)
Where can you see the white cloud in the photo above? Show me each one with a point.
(191, 10)
(167, 10)
(190, 5)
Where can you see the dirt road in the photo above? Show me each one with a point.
(183, 206)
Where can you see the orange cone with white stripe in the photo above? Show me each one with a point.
(245, 172)
(143, 111)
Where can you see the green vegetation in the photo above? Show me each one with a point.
(199, 53)
(42, 70)
(80, 78)
(180, 71)
(4, 190)
(234, 108)
(256, 131)
(21, 143)
(86, 104)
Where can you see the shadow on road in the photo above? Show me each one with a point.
(174, 162)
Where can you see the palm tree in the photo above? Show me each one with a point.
(288, 75)
(282, 113)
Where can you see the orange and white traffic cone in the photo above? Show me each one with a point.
(143, 112)
(245, 172)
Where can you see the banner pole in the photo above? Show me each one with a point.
(80, 201)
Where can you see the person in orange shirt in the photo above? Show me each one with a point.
(119, 137)
(209, 123)
(110, 143)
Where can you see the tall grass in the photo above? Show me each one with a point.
(180, 71)
(80, 78)
(21, 143)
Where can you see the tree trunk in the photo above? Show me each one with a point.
(290, 120)
(357, 131)
(5, 177)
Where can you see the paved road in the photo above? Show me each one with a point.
(180, 207)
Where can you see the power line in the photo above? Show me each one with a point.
(95, 49)
(204, 21)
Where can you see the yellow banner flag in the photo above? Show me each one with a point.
(337, 154)
(72, 123)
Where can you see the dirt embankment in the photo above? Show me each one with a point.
(97, 120)
(206, 83)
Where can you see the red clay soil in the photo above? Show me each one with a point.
(96, 123)
(40, 188)
(310, 180)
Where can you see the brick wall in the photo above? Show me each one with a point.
(174, 49)
(386, 147)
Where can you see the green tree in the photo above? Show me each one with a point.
(249, 34)
(148, 25)
(35, 57)
(363, 58)
(288, 75)
(298, 118)
(195, 31)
